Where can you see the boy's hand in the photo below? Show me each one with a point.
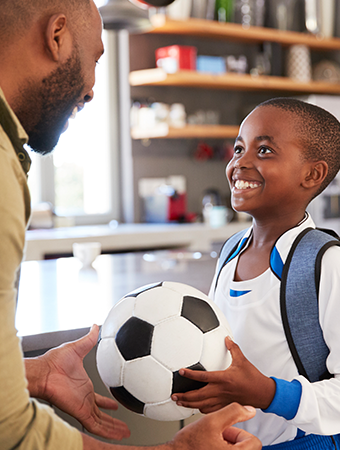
(241, 383)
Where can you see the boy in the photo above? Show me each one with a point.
(286, 153)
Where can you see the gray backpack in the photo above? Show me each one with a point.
(300, 278)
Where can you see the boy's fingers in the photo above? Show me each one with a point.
(234, 349)
(199, 375)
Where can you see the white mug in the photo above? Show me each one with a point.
(86, 252)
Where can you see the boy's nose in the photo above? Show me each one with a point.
(243, 161)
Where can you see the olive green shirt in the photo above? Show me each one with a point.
(24, 422)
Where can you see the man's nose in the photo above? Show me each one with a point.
(89, 96)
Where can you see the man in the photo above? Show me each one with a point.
(48, 53)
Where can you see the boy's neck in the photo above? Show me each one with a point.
(267, 231)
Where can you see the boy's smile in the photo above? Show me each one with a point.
(267, 169)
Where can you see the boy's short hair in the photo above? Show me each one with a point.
(319, 133)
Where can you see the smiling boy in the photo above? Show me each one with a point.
(286, 153)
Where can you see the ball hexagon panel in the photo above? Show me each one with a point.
(215, 355)
(126, 399)
(142, 386)
(158, 305)
(117, 316)
(111, 371)
(200, 313)
(177, 343)
(184, 289)
(182, 384)
(134, 338)
(221, 317)
(167, 411)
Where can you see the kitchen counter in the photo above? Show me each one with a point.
(127, 237)
(59, 301)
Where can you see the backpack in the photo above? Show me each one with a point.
(297, 299)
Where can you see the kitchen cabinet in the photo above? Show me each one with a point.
(230, 81)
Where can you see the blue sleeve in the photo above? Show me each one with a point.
(286, 400)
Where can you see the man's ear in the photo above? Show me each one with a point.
(316, 174)
(58, 37)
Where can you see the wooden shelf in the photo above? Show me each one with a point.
(189, 78)
(187, 132)
(232, 31)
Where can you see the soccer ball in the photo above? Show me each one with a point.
(152, 333)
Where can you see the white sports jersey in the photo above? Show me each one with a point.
(252, 308)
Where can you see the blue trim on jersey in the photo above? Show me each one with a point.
(311, 441)
(286, 400)
(234, 293)
(300, 434)
(276, 263)
(237, 251)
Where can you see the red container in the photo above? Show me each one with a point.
(176, 57)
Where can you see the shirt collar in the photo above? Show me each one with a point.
(284, 243)
(15, 132)
(282, 246)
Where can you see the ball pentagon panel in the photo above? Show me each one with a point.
(200, 313)
(134, 338)
(182, 384)
(128, 400)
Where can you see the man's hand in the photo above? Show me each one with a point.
(59, 377)
(241, 383)
(215, 431)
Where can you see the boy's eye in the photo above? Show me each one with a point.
(238, 150)
(264, 150)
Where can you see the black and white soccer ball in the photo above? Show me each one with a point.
(152, 333)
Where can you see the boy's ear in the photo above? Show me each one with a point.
(58, 37)
(316, 174)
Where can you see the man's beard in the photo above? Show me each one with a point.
(43, 110)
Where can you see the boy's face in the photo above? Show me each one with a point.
(267, 168)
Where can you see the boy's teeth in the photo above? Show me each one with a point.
(240, 184)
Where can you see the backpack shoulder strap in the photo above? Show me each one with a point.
(299, 302)
(229, 250)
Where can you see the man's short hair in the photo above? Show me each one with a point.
(16, 16)
(317, 130)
